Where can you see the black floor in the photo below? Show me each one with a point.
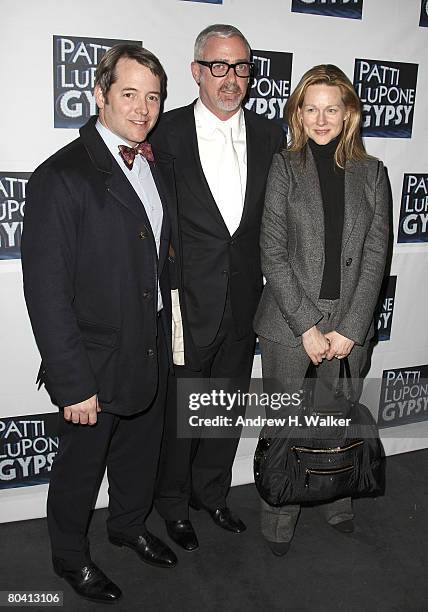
(381, 567)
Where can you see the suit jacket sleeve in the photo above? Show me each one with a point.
(296, 307)
(359, 316)
(49, 246)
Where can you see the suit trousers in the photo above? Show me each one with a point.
(286, 366)
(201, 467)
(129, 447)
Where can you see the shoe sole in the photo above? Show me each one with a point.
(227, 528)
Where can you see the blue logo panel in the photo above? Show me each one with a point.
(413, 224)
(387, 91)
(75, 60)
(28, 445)
(385, 309)
(12, 204)
(403, 396)
(349, 9)
(423, 22)
(270, 87)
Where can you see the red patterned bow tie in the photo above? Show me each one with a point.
(128, 153)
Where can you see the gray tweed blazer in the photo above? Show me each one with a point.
(292, 248)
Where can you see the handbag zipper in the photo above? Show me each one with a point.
(337, 449)
(308, 472)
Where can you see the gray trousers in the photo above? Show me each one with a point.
(287, 367)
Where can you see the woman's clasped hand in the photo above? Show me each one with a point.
(319, 346)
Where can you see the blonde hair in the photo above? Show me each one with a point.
(350, 145)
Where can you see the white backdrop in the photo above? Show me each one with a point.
(388, 31)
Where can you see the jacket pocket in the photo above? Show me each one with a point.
(102, 344)
(99, 333)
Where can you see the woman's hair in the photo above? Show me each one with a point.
(350, 145)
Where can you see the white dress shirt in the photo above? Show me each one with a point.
(211, 142)
(142, 181)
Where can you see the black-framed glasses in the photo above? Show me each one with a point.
(220, 69)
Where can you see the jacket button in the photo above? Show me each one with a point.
(147, 294)
(232, 241)
(150, 353)
(348, 261)
(224, 272)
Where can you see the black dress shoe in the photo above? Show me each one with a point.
(279, 549)
(344, 526)
(194, 503)
(224, 517)
(183, 534)
(89, 582)
(148, 547)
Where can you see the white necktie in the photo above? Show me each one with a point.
(230, 200)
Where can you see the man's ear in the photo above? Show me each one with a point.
(99, 97)
(196, 71)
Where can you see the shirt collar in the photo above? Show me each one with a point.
(208, 122)
(113, 141)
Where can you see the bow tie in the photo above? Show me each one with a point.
(128, 153)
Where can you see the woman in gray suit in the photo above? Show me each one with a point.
(323, 244)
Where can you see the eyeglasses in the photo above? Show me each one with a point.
(220, 69)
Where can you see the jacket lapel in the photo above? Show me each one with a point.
(307, 177)
(116, 182)
(254, 176)
(355, 177)
(121, 189)
(165, 199)
(193, 174)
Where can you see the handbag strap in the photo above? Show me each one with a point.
(345, 373)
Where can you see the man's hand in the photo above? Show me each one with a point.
(315, 344)
(84, 412)
(340, 346)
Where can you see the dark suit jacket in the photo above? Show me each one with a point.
(213, 261)
(90, 277)
(292, 248)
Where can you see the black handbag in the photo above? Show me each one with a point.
(332, 451)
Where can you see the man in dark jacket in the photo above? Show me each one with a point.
(95, 242)
(222, 157)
